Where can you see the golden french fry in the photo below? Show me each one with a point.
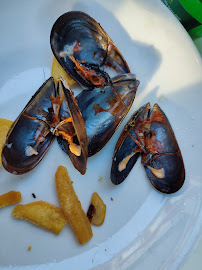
(58, 71)
(97, 210)
(9, 198)
(4, 128)
(42, 214)
(71, 206)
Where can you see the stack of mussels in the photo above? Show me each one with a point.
(83, 125)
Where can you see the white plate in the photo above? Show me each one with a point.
(142, 227)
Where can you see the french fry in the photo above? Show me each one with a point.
(42, 214)
(71, 206)
(4, 128)
(97, 210)
(58, 71)
(9, 198)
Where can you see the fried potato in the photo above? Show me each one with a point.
(71, 206)
(42, 214)
(97, 210)
(4, 128)
(58, 71)
(9, 198)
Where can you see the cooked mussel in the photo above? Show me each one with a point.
(149, 134)
(103, 111)
(35, 128)
(20, 153)
(85, 51)
(90, 57)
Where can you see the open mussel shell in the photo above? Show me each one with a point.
(103, 110)
(126, 151)
(149, 132)
(169, 162)
(70, 108)
(20, 154)
(75, 34)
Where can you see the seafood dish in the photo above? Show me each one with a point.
(84, 124)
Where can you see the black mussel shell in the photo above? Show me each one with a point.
(103, 111)
(150, 134)
(68, 108)
(170, 160)
(75, 34)
(126, 151)
(19, 154)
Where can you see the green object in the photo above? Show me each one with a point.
(196, 32)
(196, 35)
(194, 8)
(188, 12)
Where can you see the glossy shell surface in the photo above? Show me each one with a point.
(75, 34)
